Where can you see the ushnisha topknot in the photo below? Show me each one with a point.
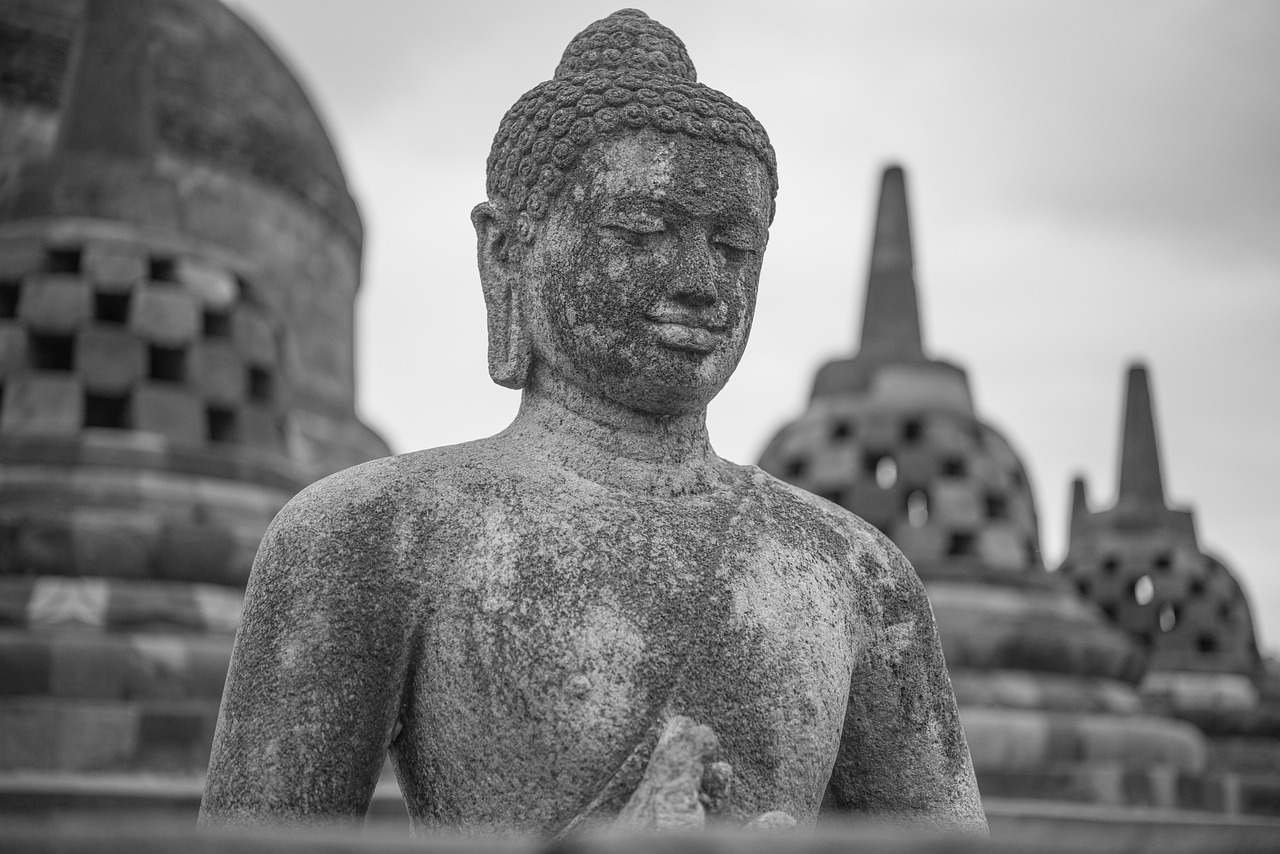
(622, 73)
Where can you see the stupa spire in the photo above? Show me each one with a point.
(1141, 480)
(106, 100)
(1079, 504)
(891, 315)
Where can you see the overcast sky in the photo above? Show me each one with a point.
(1091, 182)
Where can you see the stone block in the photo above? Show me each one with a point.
(96, 735)
(114, 266)
(1021, 513)
(191, 552)
(832, 466)
(161, 665)
(163, 314)
(27, 664)
(1002, 453)
(260, 427)
(214, 286)
(179, 667)
(89, 666)
(948, 433)
(1216, 692)
(76, 231)
(59, 601)
(176, 737)
(253, 335)
(916, 466)
(42, 404)
(880, 507)
(20, 256)
(1259, 795)
(35, 541)
(986, 471)
(219, 372)
(918, 544)
(1003, 547)
(880, 432)
(173, 411)
(55, 303)
(112, 542)
(954, 502)
(110, 361)
(1006, 740)
(170, 727)
(15, 593)
(28, 736)
(13, 348)
(220, 607)
(153, 604)
(243, 551)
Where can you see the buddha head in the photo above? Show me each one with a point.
(628, 213)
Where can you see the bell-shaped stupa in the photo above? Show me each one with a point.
(179, 257)
(1047, 688)
(1141, 562)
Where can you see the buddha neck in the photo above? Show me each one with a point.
(612, 444)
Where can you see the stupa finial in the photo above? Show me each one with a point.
(891, 316)
(106, 100)
(1079, 504)
(1141, 480)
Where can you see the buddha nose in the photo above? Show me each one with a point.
(694, 282)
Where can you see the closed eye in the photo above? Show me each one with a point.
(734, 248)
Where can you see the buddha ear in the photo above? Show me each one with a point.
(501, 269)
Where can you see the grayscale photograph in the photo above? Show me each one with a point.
(720, 426)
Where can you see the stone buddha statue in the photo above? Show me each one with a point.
(558, 627)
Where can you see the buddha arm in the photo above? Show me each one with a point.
(316, 676)
(903, 755)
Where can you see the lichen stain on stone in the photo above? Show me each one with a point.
(638, 167)
(897, 639)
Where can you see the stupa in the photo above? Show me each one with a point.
(1141, 562)
(179, 256)
(1047, 688)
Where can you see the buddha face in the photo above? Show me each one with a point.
(641, 280)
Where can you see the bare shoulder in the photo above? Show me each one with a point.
(409, 483)
(870, 555)
(369, 518)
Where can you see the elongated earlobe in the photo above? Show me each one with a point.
(509, 347)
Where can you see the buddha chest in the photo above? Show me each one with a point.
(570, 629)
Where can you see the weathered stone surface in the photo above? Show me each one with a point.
(110, 360)
(13, 348)
(42, 404)
(214, 285)
(520, 618)
(1007, 739)
(1034, 627)
(54, 303)
(173, 411)
(20, 256)
(49, 734)
(114, 266)
(165, 314)
(219, 372)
